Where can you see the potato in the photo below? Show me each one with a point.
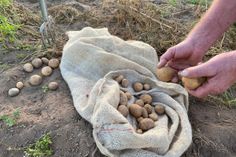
(147, 86)
(125, 83)
(145, 113)
(147, 99)
(28, 67)
(135, 110)
(193, 83)
(139, 102)
(35, 80)
(13, 92)
(37, 62)
(160, 109)
(139, 119)
(137, 86)
(19, 85)
(139, 131)
(46, 71)
(146, 124)
(166, 74)
(45, 60)
(53, 63)
(128, 95)
(119, 78)
(149, 108)
(123, 98)
(153, 116)
(53, 85)
(123, 110)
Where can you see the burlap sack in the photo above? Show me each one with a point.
(91, 58)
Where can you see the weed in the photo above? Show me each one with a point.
(41, 148)
(172, 2)
(10, 120)
(5, 3)
(21, 55)
(45, 88)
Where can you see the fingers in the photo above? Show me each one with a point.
(201, 70)
(167, 56)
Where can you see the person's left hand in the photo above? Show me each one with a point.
(220, 72)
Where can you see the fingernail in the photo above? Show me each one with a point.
(183, 73)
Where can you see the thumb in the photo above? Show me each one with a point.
(201, 70)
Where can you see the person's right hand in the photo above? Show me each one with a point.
(183, 55)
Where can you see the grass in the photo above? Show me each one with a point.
(45, 88)
(12, 119)
(41, 148)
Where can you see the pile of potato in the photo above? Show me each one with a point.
(46, 66)
(142, 109)
(166, 74)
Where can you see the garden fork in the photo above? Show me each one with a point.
(47, 27)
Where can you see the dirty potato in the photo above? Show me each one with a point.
(160, 109)
(137, 86)
(146, 124)
(153, 116)
(146, 86)
(166, 73)
(193, 83)
(147, 99)
(125, 83)
(123, 110)
(139, 102)
(145, 113)
(149, 108)
(35, 80)
(128, 95)
(135, 110)
(119, 78)
(123, 98)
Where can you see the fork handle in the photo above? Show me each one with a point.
(44, 11)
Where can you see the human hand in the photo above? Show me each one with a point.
(220, 71)
(181, 56)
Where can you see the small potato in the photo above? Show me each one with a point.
(119, 78)
(37, 62)
(145, 113)
(46, 71)
(149, 108)
(146, 124)
(45, 60)
(147, 99)
(139, 119)
(125, 83)
(53, 63)
(28, 67)
(123, 98)
(19, 85)
(135, 110)
(147, 86)
(153, 116)
(139, 102)
(123, 110)
(128, 95)
(137, 86)
(53, 85)
(139, 131)
(166, 73)
(160, 109)
(35, 80)
(193, 83)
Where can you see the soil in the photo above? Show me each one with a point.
(41, 112)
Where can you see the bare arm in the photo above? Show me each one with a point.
(214, 23)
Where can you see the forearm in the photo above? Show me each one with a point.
(213, 24)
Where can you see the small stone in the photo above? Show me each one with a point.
(53, 85)
(19, 85)
(28, 67)
(46, 71)
(13, 92)
(37, 62)
(45, 60)
(35, 80)
(139, 131)
(125, 83)
(147, 86)
(54, 63)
